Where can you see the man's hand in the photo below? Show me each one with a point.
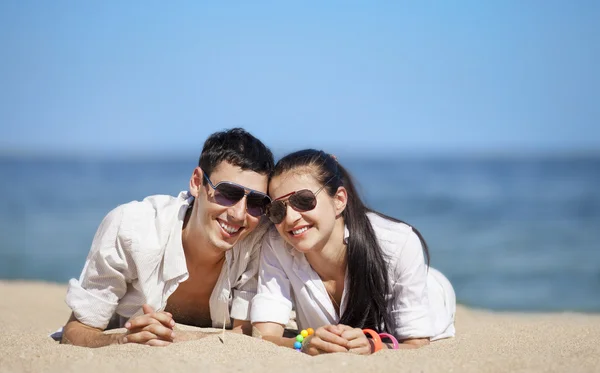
(358, 343)
(151, 328)
(326, 339)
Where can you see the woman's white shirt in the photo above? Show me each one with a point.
(421, 303)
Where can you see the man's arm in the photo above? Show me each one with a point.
(95, 296)
(79, 334)
(151, 328)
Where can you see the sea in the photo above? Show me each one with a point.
(512, 233)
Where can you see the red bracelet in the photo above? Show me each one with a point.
(390, 337)
(375, 337)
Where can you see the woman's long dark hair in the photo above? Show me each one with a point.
(367, 266)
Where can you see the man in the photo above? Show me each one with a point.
(190, 259)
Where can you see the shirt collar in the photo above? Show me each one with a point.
(174, 264)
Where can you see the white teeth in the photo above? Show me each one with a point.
(299, 231)
(227, 228)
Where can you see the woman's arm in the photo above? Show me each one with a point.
(272, 304)
(242, 327)
(411, 343)
(326, 339)
(272, 332)
(410, 309)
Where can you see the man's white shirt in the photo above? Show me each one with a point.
(137, 258)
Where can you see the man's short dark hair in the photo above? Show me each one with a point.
(239, 148)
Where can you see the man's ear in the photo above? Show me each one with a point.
(196, 182)
(340, 200)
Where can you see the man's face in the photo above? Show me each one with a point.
(223, 226)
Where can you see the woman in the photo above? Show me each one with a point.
(350, 271)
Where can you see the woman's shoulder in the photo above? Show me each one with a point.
(389, 230)
(396, 239)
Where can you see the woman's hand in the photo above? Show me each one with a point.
(326, 339)
(358, 343)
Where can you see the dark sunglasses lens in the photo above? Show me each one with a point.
(228, 194)
(276, 212)
(256, 203)
(303, 200)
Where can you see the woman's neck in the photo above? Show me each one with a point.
(330, 262)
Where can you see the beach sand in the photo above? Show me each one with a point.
(485, 342)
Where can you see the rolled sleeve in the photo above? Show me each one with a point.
(89, 308)
(272, 302)
(410, 308)
(94, 297)
(269, 308)
(240, 306)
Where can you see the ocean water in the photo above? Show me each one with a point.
(511, 234)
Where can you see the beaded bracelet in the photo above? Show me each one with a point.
(300, 338)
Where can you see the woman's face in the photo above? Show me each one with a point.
(309, 230)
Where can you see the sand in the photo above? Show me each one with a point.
(485, 342)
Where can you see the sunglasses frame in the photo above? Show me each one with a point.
(246, 190)
(289, 195)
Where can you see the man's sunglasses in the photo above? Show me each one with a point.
(301, 200)
(228, 194)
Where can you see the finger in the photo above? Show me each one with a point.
(160, 331)
(315, 351)
(158, 343)
(361, 350)
(140, 337)
(147, 309)
(353, 333)
(330, 337)
(164, 318)
(312, 351)
(326, 346)
(335, 329)
(153, 318)
(359, 343)
(344, 327)
(140, 322)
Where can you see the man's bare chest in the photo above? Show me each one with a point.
(190, 303)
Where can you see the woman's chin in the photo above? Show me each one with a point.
(304, 246)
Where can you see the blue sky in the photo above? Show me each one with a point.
(144, 77)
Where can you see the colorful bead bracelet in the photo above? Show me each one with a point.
(301, 337)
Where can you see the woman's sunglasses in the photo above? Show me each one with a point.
(301, 200)
(228, 194)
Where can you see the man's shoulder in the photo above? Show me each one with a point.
(149, 207)
(152, 211)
